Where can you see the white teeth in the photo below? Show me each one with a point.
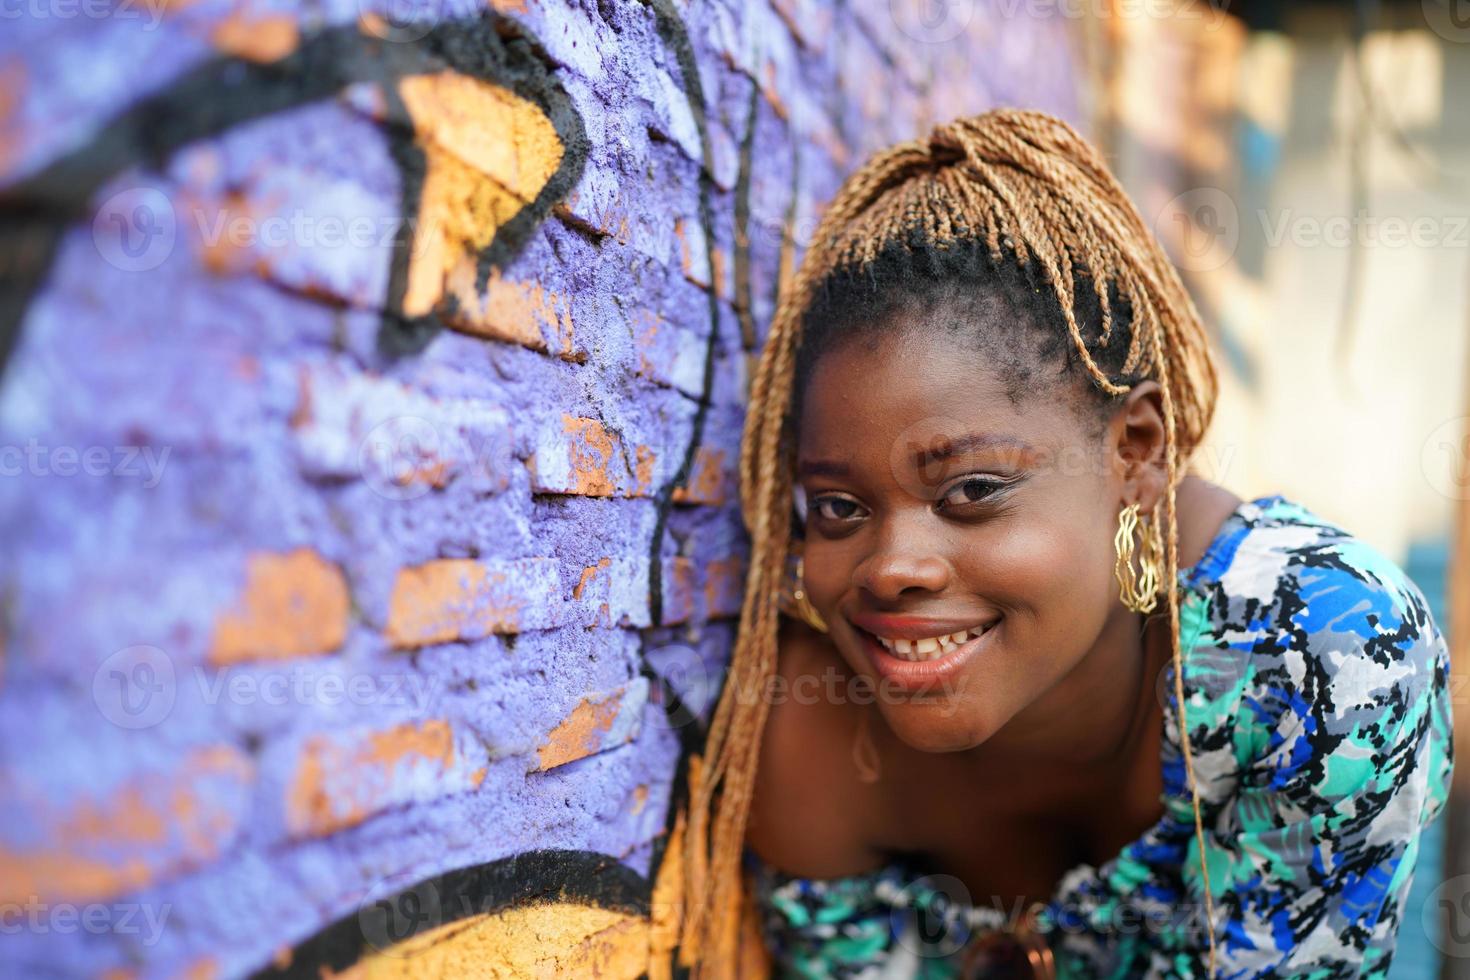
(931, 647)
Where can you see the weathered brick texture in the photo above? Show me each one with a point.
(349, 362)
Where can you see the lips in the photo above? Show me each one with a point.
(913, 652)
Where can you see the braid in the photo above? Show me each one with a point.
(1033, 193)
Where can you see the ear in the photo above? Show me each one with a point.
(1136, 445)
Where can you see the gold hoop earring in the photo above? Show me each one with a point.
(1139, 591)
(803, 605)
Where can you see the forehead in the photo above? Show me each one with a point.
(868, 395)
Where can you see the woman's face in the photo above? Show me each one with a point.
(936, 507)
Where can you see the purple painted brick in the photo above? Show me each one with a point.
(260, 371)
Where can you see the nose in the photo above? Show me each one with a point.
(905, 561)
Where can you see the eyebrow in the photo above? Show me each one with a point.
(822, 467)
(943, 448)
(937, 450)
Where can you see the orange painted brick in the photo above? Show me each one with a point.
(680, 590)
(462, 599)
(292, 605)
(668, 355)
(261, 38)
(707, 481)
(522, 313)
(152, 826)
(724, 586)
(343, 778)
(692, 257)
(596, 724)
(586, 459)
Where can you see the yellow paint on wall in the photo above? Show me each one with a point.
(551, 941)
(488, 153)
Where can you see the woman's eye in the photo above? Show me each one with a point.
(838, 508)
(971, 491)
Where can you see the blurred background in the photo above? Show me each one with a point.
(371, 382)
(1308, 168)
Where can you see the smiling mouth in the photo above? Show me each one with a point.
(932, 647)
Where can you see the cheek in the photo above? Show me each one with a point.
(827, 571)
(1052, 580)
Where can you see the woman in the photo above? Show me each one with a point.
(1044, 703)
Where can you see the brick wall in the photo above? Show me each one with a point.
(372, 391)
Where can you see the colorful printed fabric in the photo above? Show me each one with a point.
(1317, 696)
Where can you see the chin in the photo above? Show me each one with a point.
(942, 725)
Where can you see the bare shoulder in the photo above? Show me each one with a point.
(811, 812)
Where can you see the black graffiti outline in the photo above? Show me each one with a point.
(523, 879)
(226, 92)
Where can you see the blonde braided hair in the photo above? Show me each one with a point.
(1034, 191)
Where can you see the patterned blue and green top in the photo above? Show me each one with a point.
(1317, 695)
